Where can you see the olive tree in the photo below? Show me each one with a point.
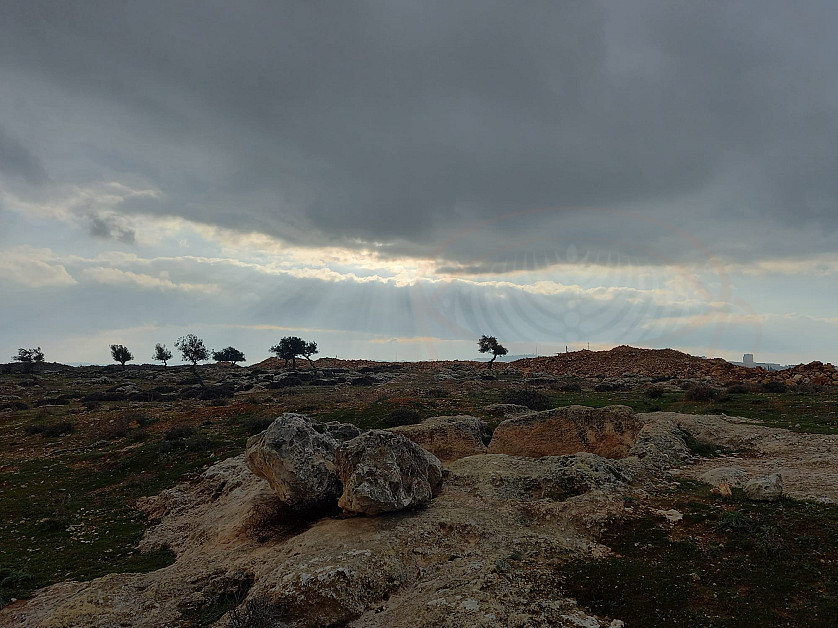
(228, 354)
(490, 343)
(121, 354)
(193, 350)
(29, 356)
(289, 348)
(162, 354)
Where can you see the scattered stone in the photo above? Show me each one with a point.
(766, 489)
(385, 472)
(448, 437)
(672, 515)
(609, 432)
(297, 461)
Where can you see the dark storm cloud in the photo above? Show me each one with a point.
(17, 160)
(110, 228)
(405, 122)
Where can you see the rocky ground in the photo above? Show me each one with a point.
(494, 547)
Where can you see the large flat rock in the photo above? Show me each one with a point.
(609, 432)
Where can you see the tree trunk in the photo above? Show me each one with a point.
(492, 360)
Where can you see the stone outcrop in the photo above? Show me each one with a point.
(447, 437)
(488, 551)
(297, 461)
(528, 479)
(385, 472)
(609, 432)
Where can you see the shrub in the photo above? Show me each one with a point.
(774, 387)
(13, 579)
(179, 432)
(14, 405)
(256, 425)
(143, 419)
(49, 431)
(654, 392)
(532, 399)
(704, 393)
(117, 428)
(434, 393)
(734, 521)
(402, 416)
(736, 388)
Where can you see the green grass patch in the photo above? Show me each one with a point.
(728, 563)
(72, 517)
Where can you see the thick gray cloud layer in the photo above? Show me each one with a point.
(404, 123)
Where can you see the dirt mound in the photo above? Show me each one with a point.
(625, 359)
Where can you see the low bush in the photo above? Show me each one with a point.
(736, 388)
(49, 430)
(256, 425)
(14, 405)
(704, 393)
(117, 428)
(402, 416)
(532, 399)
(179, 432)
(198, 442)
(774, 387)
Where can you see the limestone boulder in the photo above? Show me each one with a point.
(609, 432)
(732, 476)
(297, 461)
(448, 437)
(385, 472)
(766, 489)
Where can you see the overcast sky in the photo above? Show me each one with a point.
(393, 179)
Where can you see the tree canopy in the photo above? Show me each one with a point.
(29, 356)
(490, 343)
(121, 354)
(162, 354)
(228, 354)
(292, 346)
(192, 349)
(310, 350)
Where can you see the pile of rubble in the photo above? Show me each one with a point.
(671, 364)
(814, 373)
(625, 359)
